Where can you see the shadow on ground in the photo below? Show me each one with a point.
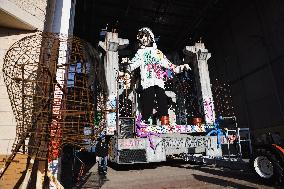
(221, 182)
(248, 176)
(76, 167)
(142, 166)
(91, 180)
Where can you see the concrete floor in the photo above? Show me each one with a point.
(171, 176)
(13, 175)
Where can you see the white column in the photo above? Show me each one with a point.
(62, 17)
(203, 80)
(111, 45)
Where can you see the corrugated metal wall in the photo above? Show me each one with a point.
(247, 46)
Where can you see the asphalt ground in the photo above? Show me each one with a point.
(171, 175)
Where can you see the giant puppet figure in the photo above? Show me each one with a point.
(153, 64)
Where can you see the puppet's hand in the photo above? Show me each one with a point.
(186, 66)
(120, 74)
(180, 68)
(127, 76)
(124, 60)
(127, 80)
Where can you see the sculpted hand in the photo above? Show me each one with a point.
(120, 74)
(127, 80)
(180, 68)
(124, 60)
(186, 66)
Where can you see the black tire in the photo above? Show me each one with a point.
(267, 167)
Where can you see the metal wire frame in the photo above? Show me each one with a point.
(56, 86)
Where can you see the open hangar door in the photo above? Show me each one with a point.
(245, 39)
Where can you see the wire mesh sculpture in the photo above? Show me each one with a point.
(52, 83)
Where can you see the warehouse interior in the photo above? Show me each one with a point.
(245, 39)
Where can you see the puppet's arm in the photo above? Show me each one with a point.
(174, 68)
(131, 65)
(134, 63)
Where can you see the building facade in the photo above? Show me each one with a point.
(19, 18)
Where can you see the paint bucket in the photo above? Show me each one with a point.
(165, 120)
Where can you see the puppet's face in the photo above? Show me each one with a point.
(144, 39)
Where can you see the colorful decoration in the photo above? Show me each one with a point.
(143, 129)
(209, 110)
(143, 133)
(217, 131)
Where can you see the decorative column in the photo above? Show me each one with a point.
(204, 91)
(111, 45)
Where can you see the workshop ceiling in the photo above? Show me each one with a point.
(175, 22)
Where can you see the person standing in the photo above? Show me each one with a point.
(102, 154)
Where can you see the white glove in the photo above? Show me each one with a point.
(186, 66)
(124, 60)
(120, 74)
(127, 80)
(127, 76)
(180, 68)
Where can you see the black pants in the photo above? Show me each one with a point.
(148, 97)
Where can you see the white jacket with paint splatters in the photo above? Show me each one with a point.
(151, 62)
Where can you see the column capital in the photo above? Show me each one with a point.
(113, 42)
(198, 49)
